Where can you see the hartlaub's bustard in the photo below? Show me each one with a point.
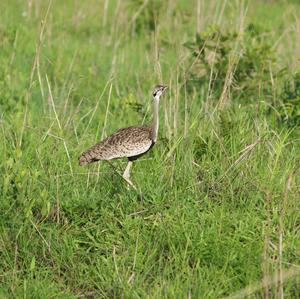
(131, 142)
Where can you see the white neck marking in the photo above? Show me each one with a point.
(155, 121)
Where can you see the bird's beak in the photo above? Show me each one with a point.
(165, 87)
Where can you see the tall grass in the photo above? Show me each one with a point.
(220, 210)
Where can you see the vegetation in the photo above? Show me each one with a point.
(219, 216)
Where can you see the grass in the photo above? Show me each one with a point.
(220, 213)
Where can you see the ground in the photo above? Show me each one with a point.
(219, 216)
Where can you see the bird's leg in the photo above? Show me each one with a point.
(126, 175)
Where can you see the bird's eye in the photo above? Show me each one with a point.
(154, 94)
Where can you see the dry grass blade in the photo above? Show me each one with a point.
(281, 234)
(41, 235)
(106, 113)
(244, 154)
(34, 66)
(290, 273)
(52, 103)
(96, 106)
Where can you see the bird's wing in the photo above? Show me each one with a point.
(127, 142)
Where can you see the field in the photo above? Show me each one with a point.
(217, 211)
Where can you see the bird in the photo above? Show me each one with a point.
(131, 142)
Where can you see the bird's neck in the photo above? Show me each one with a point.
(155, 121)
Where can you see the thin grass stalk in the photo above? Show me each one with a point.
(36, 58)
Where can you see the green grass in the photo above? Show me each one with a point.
(220, 207)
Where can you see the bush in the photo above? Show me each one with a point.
(238, 62)
(289, 107)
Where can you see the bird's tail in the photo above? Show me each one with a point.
(99, 151)
(88, 157)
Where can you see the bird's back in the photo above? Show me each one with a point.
(128, 142)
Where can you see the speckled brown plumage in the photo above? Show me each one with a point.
(129, 142)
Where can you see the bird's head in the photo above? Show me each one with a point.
(158, 91)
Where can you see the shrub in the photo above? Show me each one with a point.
(289, 107)
(239, 62)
